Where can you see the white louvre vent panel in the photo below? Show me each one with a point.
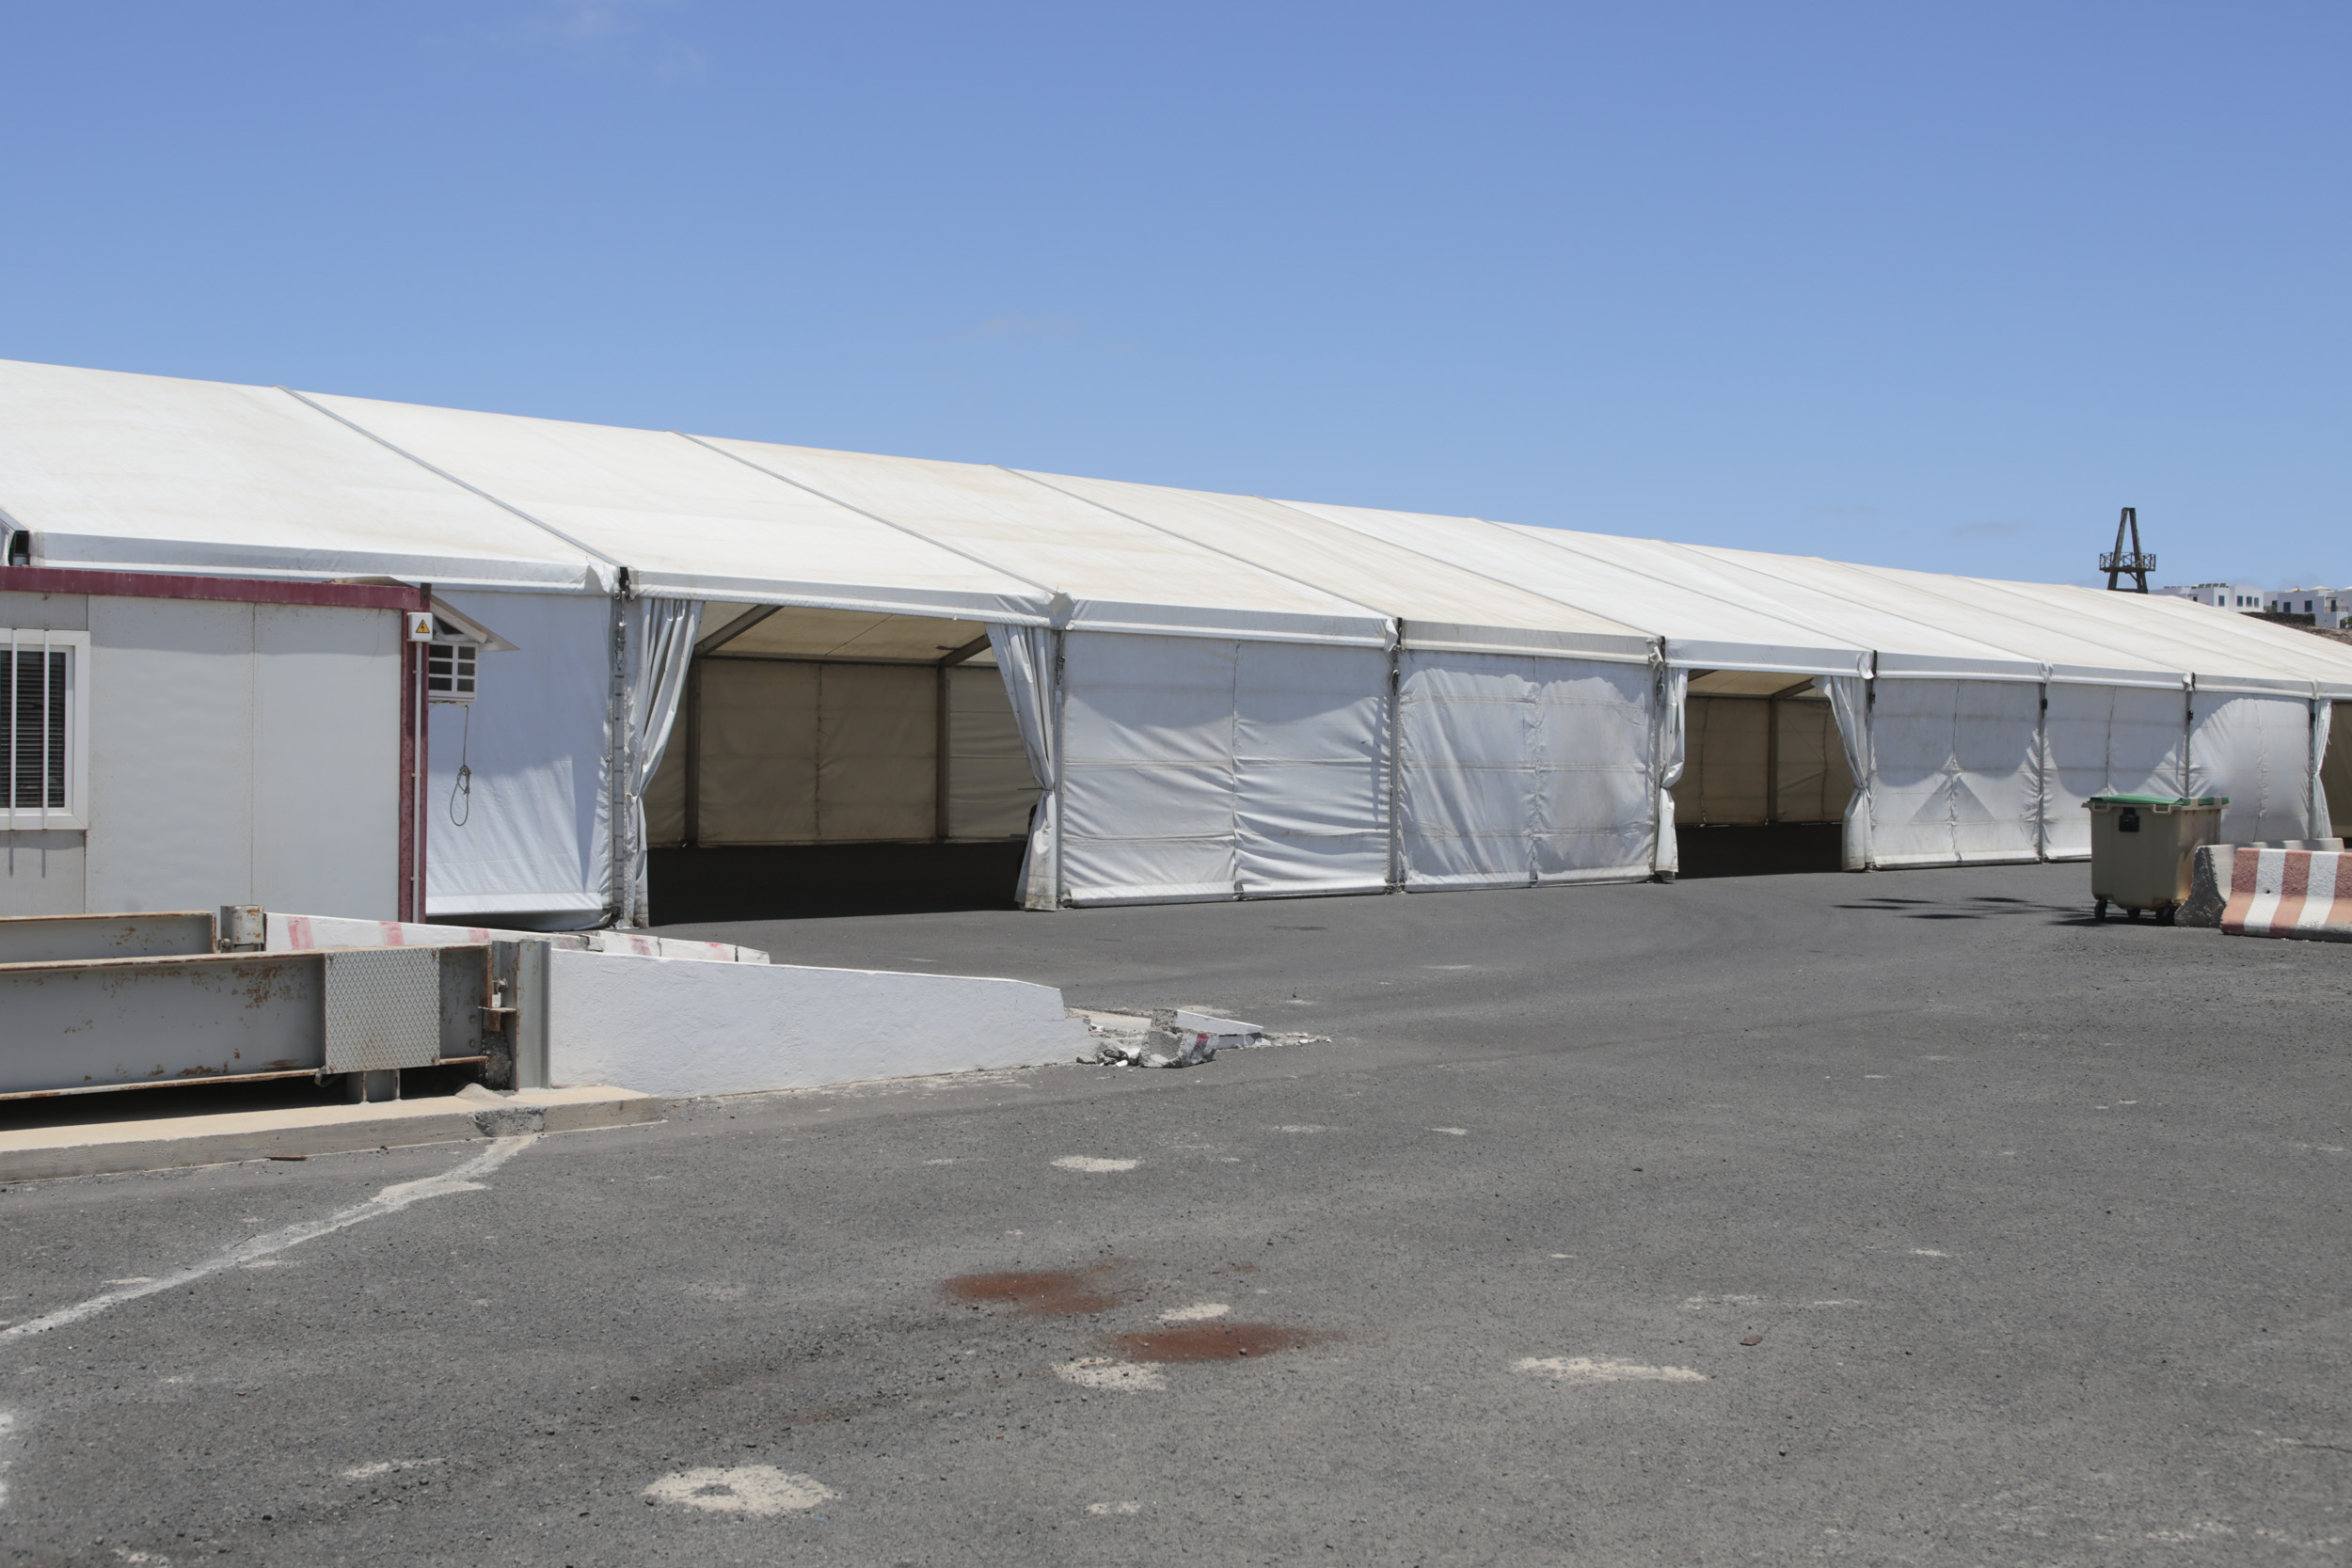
(383, 1008)
(32, 695)
(448, 673)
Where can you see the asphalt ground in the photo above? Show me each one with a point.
(1906, 1218)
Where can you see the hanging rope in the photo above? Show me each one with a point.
(464, 787)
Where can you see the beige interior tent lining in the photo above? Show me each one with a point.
(1752, 760)
(798, 728)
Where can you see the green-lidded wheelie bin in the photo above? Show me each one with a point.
(2143, 847)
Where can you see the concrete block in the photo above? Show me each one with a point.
(2208, 885)
(687, 1028)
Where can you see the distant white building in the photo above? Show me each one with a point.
(2328, 607)
(2242, 597)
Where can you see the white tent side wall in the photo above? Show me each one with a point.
(2257, 749)
(1206, 767)
(529, 839)
(1515, 772)
(2105, 740)
(1956, 771)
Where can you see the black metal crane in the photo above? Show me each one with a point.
(2135, 563)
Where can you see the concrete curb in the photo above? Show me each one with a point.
(99, 1148)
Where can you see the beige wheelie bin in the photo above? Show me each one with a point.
(2142, 848)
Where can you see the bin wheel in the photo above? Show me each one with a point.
(2132, 915)
(2099, 909)
(2164, 916)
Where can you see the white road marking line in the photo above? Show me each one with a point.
(1700, 1303)
(7, 1447)
(392, 1200)
(1106, 1509)
(1198, 1312)
(1101, 1372)
(1306, 1127)
(1457, 1132)
(1928, 1252)
(1087, 1161)
(386, 1467)
(1584, 1369)
(760, 1489)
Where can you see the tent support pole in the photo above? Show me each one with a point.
(2042, 776)
(1396, 766)
(409, 897)
(620, 889)
(1061, 772)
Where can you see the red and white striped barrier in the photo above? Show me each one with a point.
(2290, 892)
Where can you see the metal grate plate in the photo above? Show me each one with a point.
(383, 1008)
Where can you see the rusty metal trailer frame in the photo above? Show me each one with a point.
(99, 1025)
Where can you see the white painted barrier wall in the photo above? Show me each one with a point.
(671, 1027)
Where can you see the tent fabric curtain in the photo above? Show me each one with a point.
(1850, 700)
(1670, 722)
(1957, 772)
(1812, 784)
(2256, 750)
(1027, 657)
(2103, 740)
(2323, 817)
(528, 843)
(1207, 768)
(661, 635)
(1516, 770)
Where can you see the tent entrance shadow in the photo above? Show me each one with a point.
(832, 761)
(792, 882)
(1764, 778)
(1762, 850)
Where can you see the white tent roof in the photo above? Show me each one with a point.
(141, 472)
(1714, 633)
(1442, 605)
(1847, 620)
(1121, 574)
(691, 521)
(150, 473)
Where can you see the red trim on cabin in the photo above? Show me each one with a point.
(157, 585)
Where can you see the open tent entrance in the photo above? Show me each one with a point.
(1765, 781)
(837, 762)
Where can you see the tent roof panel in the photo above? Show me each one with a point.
(2072, 646)
(685, 517)
(151, 472)
(1414, 587)
(2144, 631)
(1699, 630)
(1122, 575)
(1786, 591)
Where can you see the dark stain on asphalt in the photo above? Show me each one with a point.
(1212, 1341)
(1057, 1292)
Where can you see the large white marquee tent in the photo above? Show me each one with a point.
(1173, 694)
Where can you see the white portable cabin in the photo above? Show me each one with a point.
(171, 742)
(1169, 694)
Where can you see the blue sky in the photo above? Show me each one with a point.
(1933, 286)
